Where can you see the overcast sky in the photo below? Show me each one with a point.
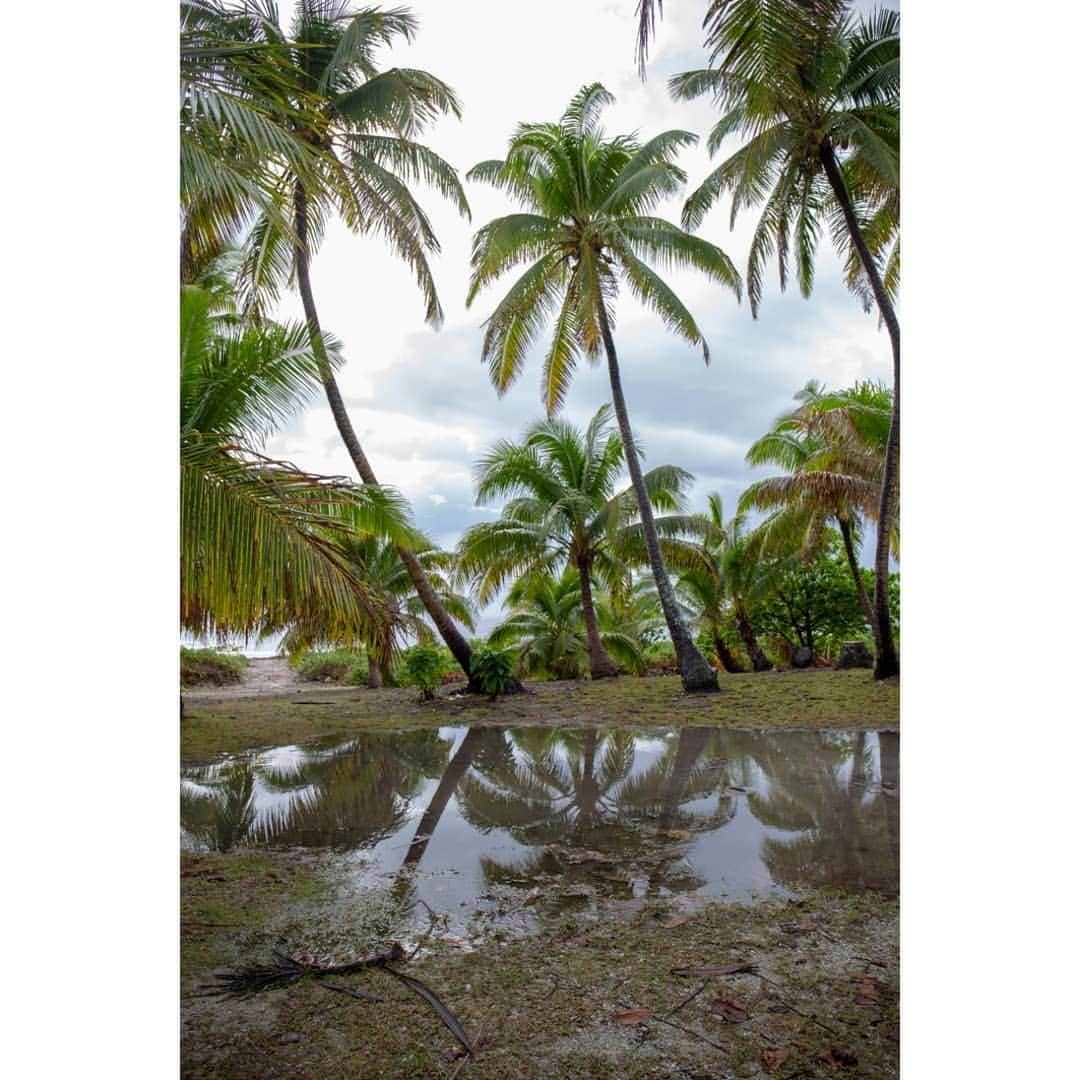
(421, 400)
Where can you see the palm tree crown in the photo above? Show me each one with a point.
(586, 227)
(801, 84)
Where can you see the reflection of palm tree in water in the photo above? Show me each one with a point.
(845, 837)
(222, 816)
(350, 795)
(478, 741)
(586, 809)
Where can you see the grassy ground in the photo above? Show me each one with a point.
(547, 1006)
(814, 698)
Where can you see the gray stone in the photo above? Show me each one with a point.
(801, 656)
(855, 654)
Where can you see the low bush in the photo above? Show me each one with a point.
(338, 665)
(198, 667)
(492, 669)
(422, 666)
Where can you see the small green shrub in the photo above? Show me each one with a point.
(422, 666)
(492, 668)
(337, 665)
(201, 666)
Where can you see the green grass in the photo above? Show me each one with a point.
(339, 666)
(200, 667)
(814, 698)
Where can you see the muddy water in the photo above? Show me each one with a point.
(497, 823)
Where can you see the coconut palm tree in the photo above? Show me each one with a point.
(587, 226)
(564, 513)
(723, 570)
(378, 564)
(817, 94)
(261, 541)
(832, 447)
(546, 625)
(240, 106)
(364, 127)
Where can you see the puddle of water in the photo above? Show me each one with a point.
(497, 826)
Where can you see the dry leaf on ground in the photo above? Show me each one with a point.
(634, 1016)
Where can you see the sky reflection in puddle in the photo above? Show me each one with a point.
(515, 822)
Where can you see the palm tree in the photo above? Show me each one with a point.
(240, 106)
(262, 542)
(832, 447)
(546, 625)
(587, 225)
(378, 564)
(364, 127)
(818, 95)
(564, 513)
(703, 593)
(722, 572)
(635, 613)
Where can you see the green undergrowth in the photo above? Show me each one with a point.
(547, 1005)
(339, 666)
(814, 698)
(201, 667)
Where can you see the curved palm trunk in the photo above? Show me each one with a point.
(600, 664)
(727, 658)
(754, 650)
(455, 771)
(886, 661)
(853, 566)
(455, 640)
(697, 673)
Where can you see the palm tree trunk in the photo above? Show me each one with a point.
(754, 650)
(697, 673)
(455, 771)
(455, 640)
(853, 566)
(600, 665)
(374, 674)
(886, 661)
(727, 658)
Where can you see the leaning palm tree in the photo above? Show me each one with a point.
(832, 448)
(378, 564)
(564, 513)
(364, 128)
(817, 93)
(261, 541)
(587, 226)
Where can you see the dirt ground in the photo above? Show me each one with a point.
(604, 997)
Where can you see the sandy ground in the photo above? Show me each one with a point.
(263, 677)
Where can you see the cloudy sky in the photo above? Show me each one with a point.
(421, 400)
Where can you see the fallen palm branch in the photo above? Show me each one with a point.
(289, 970)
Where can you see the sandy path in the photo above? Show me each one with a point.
(264, 676)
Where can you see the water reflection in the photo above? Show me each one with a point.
(449, 816)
